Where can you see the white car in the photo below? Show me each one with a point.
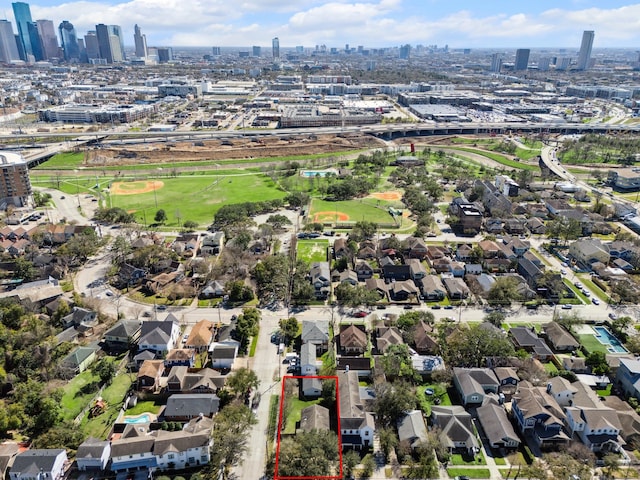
(595, 301)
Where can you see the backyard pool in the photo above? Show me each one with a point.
(143, 418)
(605, 337)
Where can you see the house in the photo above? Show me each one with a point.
(317, 333)
(539, 416)
(363, 270)
(180, 357)
(377, 285)
(628, 377)
(123, 334)
(78, 316)
(159, 336)
(141, 357)
(497, 427)
(412, 429)
(149, 375)
(423, 340)
(222, 356)
(472, 269)
(130, 454)
(536, 226)
(464, 252)
(311, 387)
(387, 336)
(470, 219)
(8, 452)
(416, 268)
(321, 279)
(314, 417)
(360, 365)
(473, 383)
(308, 362)
(403, 291)
(518, 247)
(213, 289)
(489, 248)
(415, 248)
(357, 426)
(79, 359)
(457, 269)
(181, 449)
(456, 288)
(183, 407)
(348, 276)
(212, 244)
(456, 429)
(39, 464)
(182, 379)
(353, 340)
(392, 272)
(527, 339)
(432, 288)
(514, 226)
(559, 338)
(598, 427)
(508, 380)
(529, 271)
(340, 248)
(93, 454)
(575, 364)
(201, 336)
(130, 275)
(587, 251)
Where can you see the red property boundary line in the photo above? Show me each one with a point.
(326, 477)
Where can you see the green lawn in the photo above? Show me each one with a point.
(591, 343)
(114, 394)
(501, 159)
(577, 292)
(77, 393)
(595, 289)
(499, 460)
(356, 210)
(62, 161)
(426, 401)
(312, 250)
(458, 459)
(295, 411)
(469, 472)
(144, 407)
(550, 368)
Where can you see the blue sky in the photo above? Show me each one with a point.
(372, 23)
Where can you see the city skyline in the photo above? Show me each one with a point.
(492, 24)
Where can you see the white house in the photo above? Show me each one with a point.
(598, 427)
(93, 454)
(308, 364)
(159, 336)
(179, 449)
(39, 464)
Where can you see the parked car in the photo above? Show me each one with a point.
(435, 307)
(448, 307)
(408, 307)
(360, 314)
(613, 316)
(161, 308)
(567, 306)
(595, 301)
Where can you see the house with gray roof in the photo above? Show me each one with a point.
(184, 407)
(79, 359)
(497, 427)
(456, 288)
(8, 452)
(527, 339)
(357, 426)
(456, 429)
(314, 417)
(93, 454)
(432, 288)
(316, 332)
(412, 429)
(473, 383)
(321, 279)
(559, 338)
(628, 377)
(123, 334)
(181, 449)
(308, 363)
(181, 379)
(79, 316)
(39, 464)
(159, 336)
(387, 336)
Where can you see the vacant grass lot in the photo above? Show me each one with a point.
(496, 157)
(312, 250)
(77, 394)
(469, 472)
(114, 394)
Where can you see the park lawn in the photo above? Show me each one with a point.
(78, 392)
(357, 210)
(196, 197)
(114, 394)
(62, 161)
(295, 413)
(526, 154)
(469, 472)
(591, 343)
(501, 159)
(147, 406)
(312, 250)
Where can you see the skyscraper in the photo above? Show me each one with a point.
(118, 50)
(405, 52)
(165, 54)
(140, 41)
(48, 38)
(91, 46)
(69, 41)
(22, 14)
(104, 44)
(275, 47)
(8, 46)
(216, 51)
(256, 51)
(496, 63)
(37, 49)
(522, 59)
(585, 50)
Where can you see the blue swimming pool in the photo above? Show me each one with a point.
(605, 337)
(144, 418)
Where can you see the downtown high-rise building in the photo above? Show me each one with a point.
(104, 42)
(405, 52)
(496, 63)
(69, 41)
(216, 51)
(91, 47)
(8, 46)
(22, 14)
(256, 51)
(522, 59)
(275, 47)
(140, 41)
(584, 57)
(48, 38)
(117, 51)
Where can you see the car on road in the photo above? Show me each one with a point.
(435, 307)
(161, 308)
(563, 271)
(613, 316)
(461, 477)
(567, 306)
(360, 314)
(62, 197)
(448, 307)
(586, 292)
(564, 264)
(595, 301)
(146, 313)
(408, 307)
(108, 293)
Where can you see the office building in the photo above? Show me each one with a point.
(48, 38)
(140, 41)
(522, 59)
(37, 49)
(543, 63)
(256, 51)
(275, 47)
(118, 50)
(165, 54)
(104, 42)
(69, 41)
(216, 51)
(75, 113)
(15, 187)
(91, 46)
(585, 50)
(496, 63)
(8, 47)
(22, 14)
(405, 52)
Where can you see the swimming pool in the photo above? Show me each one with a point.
(605, 337)
(144, 418)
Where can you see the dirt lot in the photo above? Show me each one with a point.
(228, 149)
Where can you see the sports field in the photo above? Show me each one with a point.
(314, 250)
(349, 211)
(189, 197)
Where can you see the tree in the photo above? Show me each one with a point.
(408, 320)
(246, 327)
(363, 230)
(368, 465)
(469, 346)
(277, 221)
(238, 291)
(242, 381)
(611, 464)
(495, 318)
(230, 428)
(24, 269)
(190, 225)
(309, 454)
(289, 328)
(349, 461)
(105, 369)
(598, 362)
(393, 400)
(160, 217)
(355, 296)
(388, 441)
(504, 291)
(397, 363)
(564, 228)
